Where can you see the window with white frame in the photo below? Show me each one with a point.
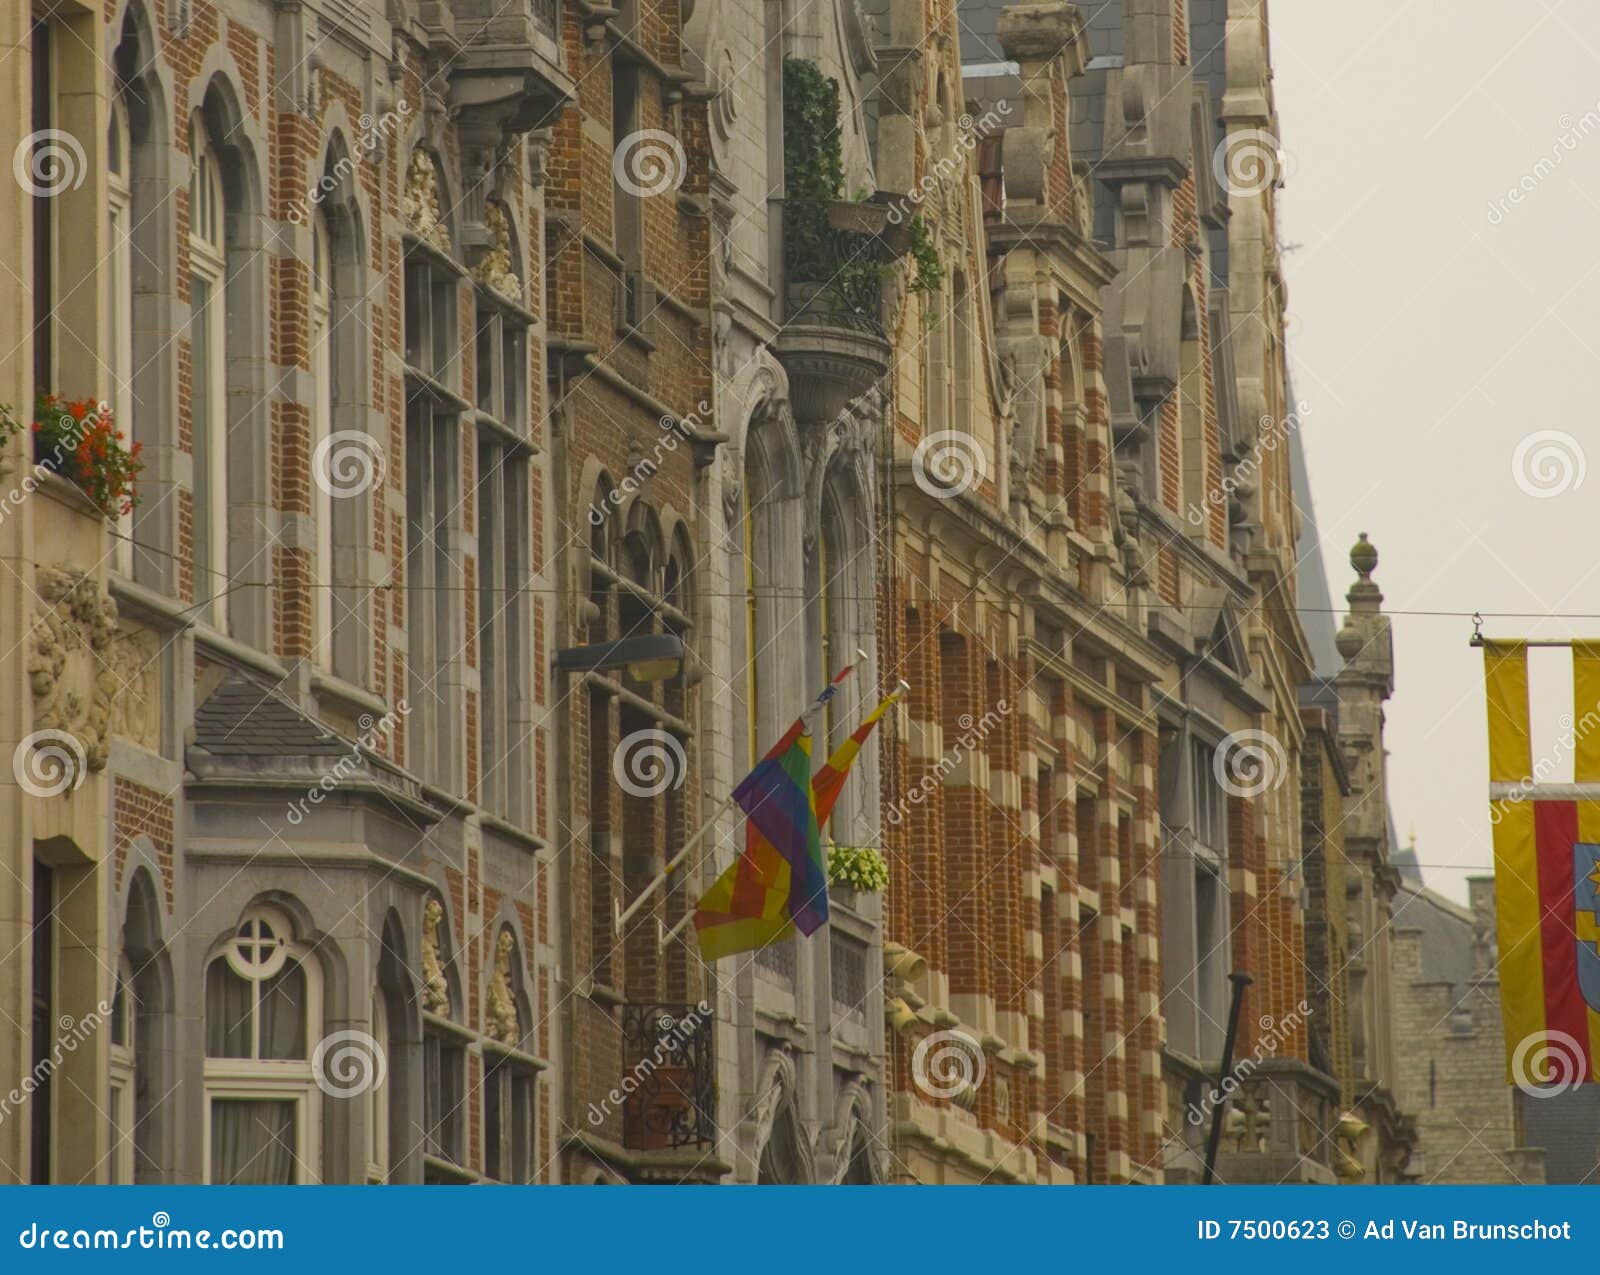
(122, 1107)
(322, 597)
(119, 316)
(208, 396)
(262, 997)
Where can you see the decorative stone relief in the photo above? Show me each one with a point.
(423, 213)
(435, 991)
(69, 663)
(495, 268)
(136, 674)
(502, 1007)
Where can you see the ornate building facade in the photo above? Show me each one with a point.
(468, 343)
(320, 916)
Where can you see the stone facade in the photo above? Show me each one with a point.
(323, 899)
(1451, 1048)
(465, 341)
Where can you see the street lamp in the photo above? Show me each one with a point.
(652, 657)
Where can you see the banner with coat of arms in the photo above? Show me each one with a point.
(1547, 875)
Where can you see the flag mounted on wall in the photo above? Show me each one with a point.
(1547, 875)
(767, 892)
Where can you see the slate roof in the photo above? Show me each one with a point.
(243, 718)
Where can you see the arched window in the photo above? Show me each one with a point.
(124, 1074)
(208, 373)
(510, 1075)
(322, 598)
(444, 1054)
(377, 1097)
(119, 316)
(262, 998)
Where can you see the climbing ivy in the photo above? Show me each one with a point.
(813, 176)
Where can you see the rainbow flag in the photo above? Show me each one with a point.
(1547, 876)
(755, 901)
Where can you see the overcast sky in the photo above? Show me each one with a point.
(1435, 326)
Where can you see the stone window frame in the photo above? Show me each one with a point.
(209, 345)
(119, 299)
(121, 1107)
(263, 1079)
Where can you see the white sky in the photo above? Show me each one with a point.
(1429, 342)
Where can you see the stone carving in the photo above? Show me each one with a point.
(495, 268)
(69, 663)
(1025, 363)
(502, 1007)
(435, 991)
(136, 674)
(423, 213)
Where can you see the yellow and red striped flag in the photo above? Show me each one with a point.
(1547, 875)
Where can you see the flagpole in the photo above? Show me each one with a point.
(622, 917)
(665, 936)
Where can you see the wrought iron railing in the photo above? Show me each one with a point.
(835, 274)
(671, 1070)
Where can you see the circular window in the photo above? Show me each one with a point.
(260, 947)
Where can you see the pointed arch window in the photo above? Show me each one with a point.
(124, 1075)
(262, 1114)
(208, 401)
(119, 316)
(322, 597)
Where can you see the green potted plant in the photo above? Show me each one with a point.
(858, 869)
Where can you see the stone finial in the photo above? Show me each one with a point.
(1039, 32)
(1364, 557)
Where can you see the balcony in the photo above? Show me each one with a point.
(508, 69)
(837, 255)
(669, 1073)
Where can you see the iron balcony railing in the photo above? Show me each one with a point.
(836, 260)
(670, 1070)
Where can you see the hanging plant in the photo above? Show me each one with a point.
(830, 243)
(80, 441)
(858, 868)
